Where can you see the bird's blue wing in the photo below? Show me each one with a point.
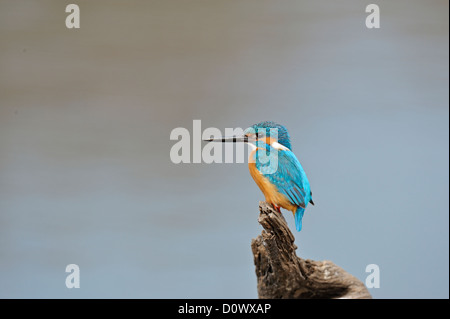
(288, 176)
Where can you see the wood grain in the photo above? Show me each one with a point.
(282, 274)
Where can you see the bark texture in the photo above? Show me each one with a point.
(282, 274)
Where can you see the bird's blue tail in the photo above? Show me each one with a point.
(298, 218)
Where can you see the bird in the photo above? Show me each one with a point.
(275, 168)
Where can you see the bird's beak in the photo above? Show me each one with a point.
(234, 139)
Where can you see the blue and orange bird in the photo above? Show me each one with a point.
(275, 168)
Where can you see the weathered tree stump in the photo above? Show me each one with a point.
(281, 274)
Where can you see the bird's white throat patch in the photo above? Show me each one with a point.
(278, 146)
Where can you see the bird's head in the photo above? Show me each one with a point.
(268, 132)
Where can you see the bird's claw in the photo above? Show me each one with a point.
(277, 208)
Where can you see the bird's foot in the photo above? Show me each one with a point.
(277, 208)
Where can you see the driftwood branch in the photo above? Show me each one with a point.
(281, 274)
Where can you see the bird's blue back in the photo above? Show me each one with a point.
(289, 177)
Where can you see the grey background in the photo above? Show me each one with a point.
(85, 119)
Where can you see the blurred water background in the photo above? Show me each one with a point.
(86, 115)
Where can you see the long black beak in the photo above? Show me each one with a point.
(234, 139)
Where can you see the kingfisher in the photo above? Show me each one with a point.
(275, 168)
